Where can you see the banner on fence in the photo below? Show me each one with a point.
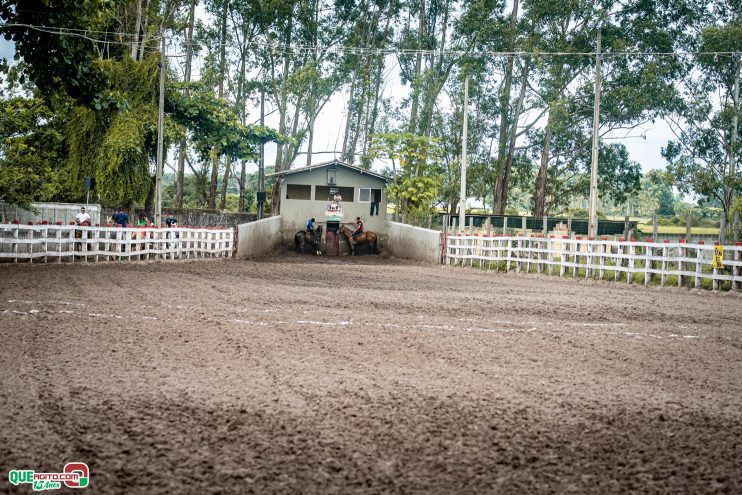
(718, 261)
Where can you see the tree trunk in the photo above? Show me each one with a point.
(144, 31)
(222, 71)
(418, 67)
(356, 131)
(182, 150)
(227, 172)
(311, 141)
(504, 108)
(503, 183)
(377, 81)
(214, 177)
(243, 176)
(137, 27)
(282, 105)
(540, 197)
(350, 115)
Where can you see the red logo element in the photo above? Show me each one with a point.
(82, 470)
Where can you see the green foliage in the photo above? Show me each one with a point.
(214, 125)
(656, 195)
(58, 63)
(116, 142)
(31, 150)
(417, 181)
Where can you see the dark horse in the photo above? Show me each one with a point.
(367, 237)
(306, 237)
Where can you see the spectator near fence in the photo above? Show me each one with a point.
(82, 218)
(120, 218)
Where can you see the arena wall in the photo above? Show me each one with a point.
(259, 237)
(414, 243)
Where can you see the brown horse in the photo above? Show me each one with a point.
(303, 238)
(366, 237)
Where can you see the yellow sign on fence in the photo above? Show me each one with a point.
(718, 257)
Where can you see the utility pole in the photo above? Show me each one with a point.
(593, 225)
(261, 163)
(160, 137)
(462, 205)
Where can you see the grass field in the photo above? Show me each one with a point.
(676, 229)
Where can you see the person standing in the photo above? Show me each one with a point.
(120, 218)
(82, 217)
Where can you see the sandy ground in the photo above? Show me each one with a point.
(302, 375)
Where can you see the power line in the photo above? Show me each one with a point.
(373, 51)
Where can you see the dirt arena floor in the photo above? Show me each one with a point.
(369, 375)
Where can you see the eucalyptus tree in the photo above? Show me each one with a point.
(702, 160)
(638, 82)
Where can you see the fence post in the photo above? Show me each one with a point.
(714, 272)
(550, 253)
(655, 226)
(688, 225)
(14, 243)
(510, 253)
(575, 258)
(664, 266)
(539, 254)
(630, 272)
(681, 264)
(45, 245)
(626, 233)
(648, 262)
(737, 270)
(590, 250)
(563, 257)
(699, 264)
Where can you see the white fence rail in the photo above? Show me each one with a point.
(677, 263)
(46, 243)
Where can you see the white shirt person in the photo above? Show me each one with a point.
(82, 216)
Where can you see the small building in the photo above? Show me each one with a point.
(312, 191)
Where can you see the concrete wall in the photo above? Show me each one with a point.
(296, 212)
(51, 212)
(414, 243)
(196, 218)
(259, 237)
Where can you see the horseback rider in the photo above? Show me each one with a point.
(311, 230)
(359, 228)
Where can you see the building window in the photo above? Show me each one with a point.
(298, 191)
(369, 195)
(326, 193)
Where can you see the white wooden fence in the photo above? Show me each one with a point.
(46, 243)
(679, 263)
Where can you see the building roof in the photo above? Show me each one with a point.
(327, 164)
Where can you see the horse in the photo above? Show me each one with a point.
(367, 237)
(304, 237)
